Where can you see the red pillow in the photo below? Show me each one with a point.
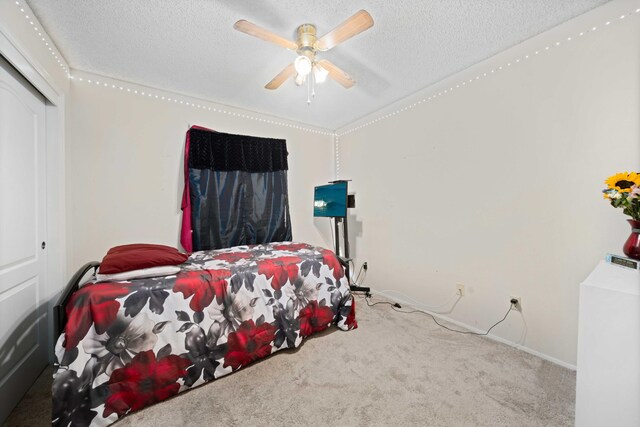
(140, 255)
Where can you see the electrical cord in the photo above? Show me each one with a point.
(356, 281)
(432, 309)
(382, 302)
(364, 276)
(397, 307)
(331, 232)
(333, 242)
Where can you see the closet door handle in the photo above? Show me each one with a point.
(44, 245)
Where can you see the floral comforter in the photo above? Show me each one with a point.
(128, 345)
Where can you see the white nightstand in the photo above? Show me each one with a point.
(608, 377)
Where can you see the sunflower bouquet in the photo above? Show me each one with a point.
(623, 191)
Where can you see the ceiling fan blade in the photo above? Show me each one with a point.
(259, 32)
(337, 74)
(282, 76)
(351, 27)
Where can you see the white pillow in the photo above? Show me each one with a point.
(165, 270)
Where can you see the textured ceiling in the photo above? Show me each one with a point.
(190, 46)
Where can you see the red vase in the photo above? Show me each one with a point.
(632, 245)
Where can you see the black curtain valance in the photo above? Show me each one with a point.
(235, 190)
(219, 151)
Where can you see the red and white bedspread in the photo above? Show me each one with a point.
(128, 345)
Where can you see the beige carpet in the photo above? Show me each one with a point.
(395, 369)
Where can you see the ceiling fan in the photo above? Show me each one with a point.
(306, 67)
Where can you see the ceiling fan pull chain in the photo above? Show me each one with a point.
(309, 90)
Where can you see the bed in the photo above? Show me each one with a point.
(126, 345)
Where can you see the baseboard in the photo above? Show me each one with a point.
(393, 296)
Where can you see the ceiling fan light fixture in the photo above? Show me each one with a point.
(319, 73)
(307, 45)
(303, 65)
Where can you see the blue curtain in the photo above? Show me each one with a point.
(238, 190)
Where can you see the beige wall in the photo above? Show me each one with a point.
(497, 184)
(124, 166)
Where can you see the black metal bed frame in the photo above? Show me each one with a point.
(59, 311)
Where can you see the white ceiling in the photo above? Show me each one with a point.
(190, 46)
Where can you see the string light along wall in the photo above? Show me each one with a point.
(44, 38)
(336, 150)
(624, 17)
(151, 93)
(156, 94)
(162, 96)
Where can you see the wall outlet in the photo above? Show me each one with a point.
(518, 305)
(460, 289)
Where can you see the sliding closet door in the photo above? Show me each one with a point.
(23, 335)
